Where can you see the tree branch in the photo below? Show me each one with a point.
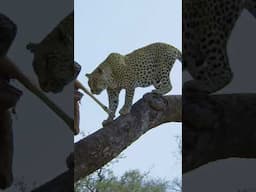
(99, 148)
(214, 127)
(218, 127)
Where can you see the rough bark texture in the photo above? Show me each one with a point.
(214, 127)
(218, 127)
(99, 148)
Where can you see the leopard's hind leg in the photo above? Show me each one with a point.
(162, 82)
(129, 94)
(214, 75)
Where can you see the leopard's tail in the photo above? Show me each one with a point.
(179, 57)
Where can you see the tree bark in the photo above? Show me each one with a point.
(104, 145)
(218, 127)
(214, 127)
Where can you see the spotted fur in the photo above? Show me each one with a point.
(150, 65)
(207, 26)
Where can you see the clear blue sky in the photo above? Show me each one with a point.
(102, 27)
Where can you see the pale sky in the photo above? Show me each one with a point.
(102, 27)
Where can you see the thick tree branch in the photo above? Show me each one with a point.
(99, 148)
(214, 127)
(218, 127)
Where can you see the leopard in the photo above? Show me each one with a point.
(53, 60)
(146, 66)
(207, 27)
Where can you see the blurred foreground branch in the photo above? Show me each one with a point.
(218, 127)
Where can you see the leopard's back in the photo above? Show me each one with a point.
(147, 64)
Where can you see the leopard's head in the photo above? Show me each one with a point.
(54, 66)
(97, 80)
(102, 76)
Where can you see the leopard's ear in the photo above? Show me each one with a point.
(32, 47)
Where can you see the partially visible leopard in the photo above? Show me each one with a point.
(150, 65)
(207, 26)
(54, 57)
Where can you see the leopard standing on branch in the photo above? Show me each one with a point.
(54, 64)
(207, 26)
(150, 65)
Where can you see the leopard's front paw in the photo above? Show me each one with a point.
(109, 119)
(194, 87)
(106, 122)
(125, 110)
(156, 91)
